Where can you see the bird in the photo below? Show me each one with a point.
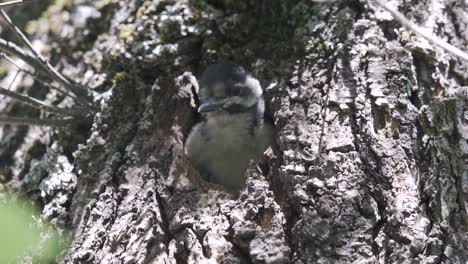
(233, 130)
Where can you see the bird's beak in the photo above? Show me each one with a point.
(211, 105)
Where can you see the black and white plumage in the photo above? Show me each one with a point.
(233, 130)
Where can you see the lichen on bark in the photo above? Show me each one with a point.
(370, 160)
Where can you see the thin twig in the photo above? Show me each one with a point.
(12, 49)
(20, 34)
(11, 83)
(10, 120)
(43, 63)
(14, 2)
(14, 79)
(422, 32)
(37, 78)
(41, 105)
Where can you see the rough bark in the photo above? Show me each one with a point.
(372, 130)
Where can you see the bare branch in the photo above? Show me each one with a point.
(14, 79)
(422, 32)
(10, 120)
(38, 79)
(41, 105)
(41, 63)
(20, 34)
(11, 83)
(14, 2)
(12, 49)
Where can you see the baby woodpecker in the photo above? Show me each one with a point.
(233, 130)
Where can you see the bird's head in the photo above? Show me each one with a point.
(229, 87)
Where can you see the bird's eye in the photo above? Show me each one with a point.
(236, 90)
(203, 94)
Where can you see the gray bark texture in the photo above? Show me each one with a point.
(370, 164)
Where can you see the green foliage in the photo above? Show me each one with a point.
(21, 235)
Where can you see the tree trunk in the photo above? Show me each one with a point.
(370, 164)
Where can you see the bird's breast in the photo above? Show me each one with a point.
(222, 146)
(229, 133)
